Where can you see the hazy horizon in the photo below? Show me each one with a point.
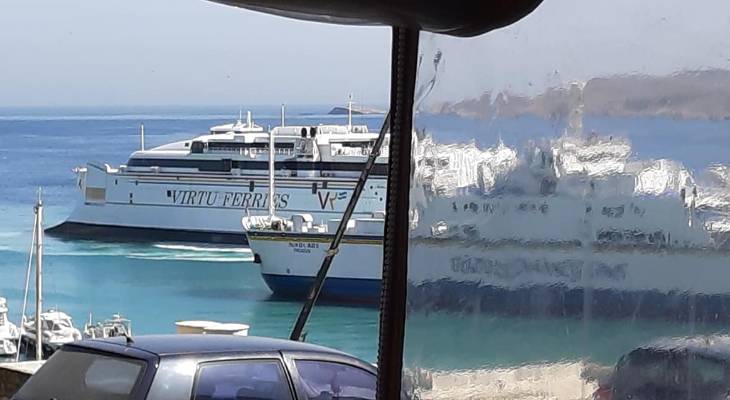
(243, 107)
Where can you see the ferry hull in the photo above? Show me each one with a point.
(562, 301)
(77, 230)
(289, 263)
(660, 283)
(200, 208)
(673, 284)
(358, 291)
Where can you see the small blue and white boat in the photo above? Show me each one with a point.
(290, 252)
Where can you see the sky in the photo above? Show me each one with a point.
(193, 52)
(182, 52)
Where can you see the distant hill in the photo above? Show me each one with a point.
(687, 95)
(355, 111)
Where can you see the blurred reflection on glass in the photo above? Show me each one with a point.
(570, 206)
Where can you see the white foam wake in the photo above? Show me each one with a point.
(185, 247)
(187, 257)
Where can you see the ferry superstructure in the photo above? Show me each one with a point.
(199, 189)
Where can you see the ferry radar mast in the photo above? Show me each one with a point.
(272, 165)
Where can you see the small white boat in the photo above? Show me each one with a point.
(8, 332)
(115, 326)
(57, 328)
(227, 329)
(192, 327)
(211, 327)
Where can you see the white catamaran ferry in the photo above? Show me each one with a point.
(199, 189)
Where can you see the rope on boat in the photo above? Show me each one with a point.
(316, 287)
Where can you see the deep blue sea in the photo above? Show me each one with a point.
(157, 284)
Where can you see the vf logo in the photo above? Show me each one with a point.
(327, 199)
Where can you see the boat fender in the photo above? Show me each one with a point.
(304, 132)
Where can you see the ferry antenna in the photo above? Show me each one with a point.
(272, 165)
(141, 136)
(349, 112)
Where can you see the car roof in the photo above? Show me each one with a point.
(172, 345)
(715, 346)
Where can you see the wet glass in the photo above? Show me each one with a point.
(569, 207)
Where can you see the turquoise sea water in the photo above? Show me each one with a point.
(157, 284)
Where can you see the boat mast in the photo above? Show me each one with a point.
(272, 159)
(39, 278)
(283, 109)
(27, 283)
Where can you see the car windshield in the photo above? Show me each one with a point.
(73, 374)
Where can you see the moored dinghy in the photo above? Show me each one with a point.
(211, 328)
